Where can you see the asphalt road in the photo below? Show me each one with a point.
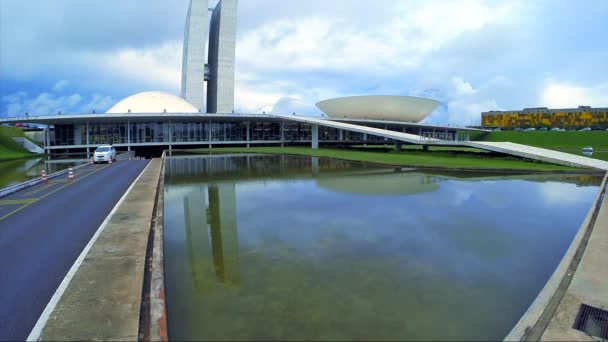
(43, 229)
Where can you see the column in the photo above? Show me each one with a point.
(128, 136)
(170, 138)
(247, 128)
(340, 135)
(282, 134)
(46, 139)
(398, 146)
(209, 132)
(315, 136)
(88, 150)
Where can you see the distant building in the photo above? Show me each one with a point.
(583, 116)
(219, 72)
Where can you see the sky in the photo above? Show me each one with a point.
(75, 56)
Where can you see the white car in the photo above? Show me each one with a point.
(104, 153)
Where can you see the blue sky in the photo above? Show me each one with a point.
(76, 56)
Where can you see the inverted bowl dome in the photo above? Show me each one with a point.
(153, 102)
(379, 107)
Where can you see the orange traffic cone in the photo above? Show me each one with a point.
(110, 162)
(71, 174)
(44, 179)
(91, 161)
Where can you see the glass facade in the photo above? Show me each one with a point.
(206, 132)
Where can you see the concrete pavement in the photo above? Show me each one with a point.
(43, 229)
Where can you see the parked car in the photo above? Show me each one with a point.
(104, 153)
(542, 129)
(530, 129)
(588, 149)
(585, 129)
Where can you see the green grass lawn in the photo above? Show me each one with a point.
(9, 149)
(573, 140)
(454, 159)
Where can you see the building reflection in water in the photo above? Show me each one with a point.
(211, 226)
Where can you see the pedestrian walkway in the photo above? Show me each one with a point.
(543, 154)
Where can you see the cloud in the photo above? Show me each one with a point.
(563, 193)
(60, 86)
(323, 42)
(564, 95)
(158, 67)
(49, 103)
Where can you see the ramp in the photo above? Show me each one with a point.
(524, 151)
(30, 146)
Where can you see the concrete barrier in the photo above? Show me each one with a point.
(158, 313)
(541, 310)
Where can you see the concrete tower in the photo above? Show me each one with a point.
(222, 42)
(193, 63)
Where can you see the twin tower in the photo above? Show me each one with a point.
(218, 71)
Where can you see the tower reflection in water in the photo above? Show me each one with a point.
(211, 226)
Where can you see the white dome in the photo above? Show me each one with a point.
(379, 107)
(153, 102)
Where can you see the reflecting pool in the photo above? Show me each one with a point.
(262, 247)
(17, 171)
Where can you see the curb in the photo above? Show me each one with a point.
(158, 311)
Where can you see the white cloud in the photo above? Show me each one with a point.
(249, 100)
(464, 101)
(45, 103)
(159, 67)
(560, 193)
(337, 44)
(60, 86)
(98, 103)
(564, 95)
(460, 87)
(467, 111)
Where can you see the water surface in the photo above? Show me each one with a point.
(16, 171)
(300, 248)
